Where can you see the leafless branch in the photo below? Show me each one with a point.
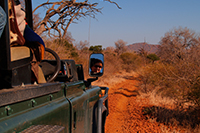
(59, 15)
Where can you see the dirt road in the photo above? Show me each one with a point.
(125, 111)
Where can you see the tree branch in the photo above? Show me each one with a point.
(65, 13)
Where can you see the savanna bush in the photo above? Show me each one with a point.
(62, 47)
(155, 76)
(130, 61)
(112, 63)
(177, 73)
(153, 57)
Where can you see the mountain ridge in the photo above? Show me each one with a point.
(150, 48)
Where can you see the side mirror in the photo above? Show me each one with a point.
(96, 65)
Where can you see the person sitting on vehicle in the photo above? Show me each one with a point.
(2, 20)
(96, 66)
(31, 39)
(26, 31)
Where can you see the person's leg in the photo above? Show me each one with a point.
(31, 36)
(2, 20)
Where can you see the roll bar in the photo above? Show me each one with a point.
(29, 15)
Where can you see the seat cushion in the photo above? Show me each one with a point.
(19, 52)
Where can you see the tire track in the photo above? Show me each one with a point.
(126, 114)
(119, 100)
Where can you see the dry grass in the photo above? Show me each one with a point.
(113, 79)
(167, 102)
(156, 99)
(176, 117)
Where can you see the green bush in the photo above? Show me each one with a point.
(153, 57)
(96, 49)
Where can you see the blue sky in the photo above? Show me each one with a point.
(138, 20)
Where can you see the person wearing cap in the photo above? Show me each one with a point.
(32, 40)
(26, 31)
(96, 66)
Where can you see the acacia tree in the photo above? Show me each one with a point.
(153, 57)
(120, 46)
(179, 52)
(82, 45)
(177, 44)
(60, 14)
(96, 49)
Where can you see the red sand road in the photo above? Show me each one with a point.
(125, 111)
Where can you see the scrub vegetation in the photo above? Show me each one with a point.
(175, 77)
(172, 73)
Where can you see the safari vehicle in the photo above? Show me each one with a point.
(65, 103)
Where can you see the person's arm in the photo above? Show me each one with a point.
(2, 20)
(20, 16)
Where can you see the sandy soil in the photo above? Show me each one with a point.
(125, 111)
(126, 108)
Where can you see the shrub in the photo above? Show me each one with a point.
(130, 61)
(177, 73)
(194, 93)
(155, 76)
(112, 63)
(96, 49)
(153, 57)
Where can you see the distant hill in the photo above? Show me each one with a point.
(150, 48)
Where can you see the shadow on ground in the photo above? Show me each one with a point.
(126, 92)
(177, 117)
